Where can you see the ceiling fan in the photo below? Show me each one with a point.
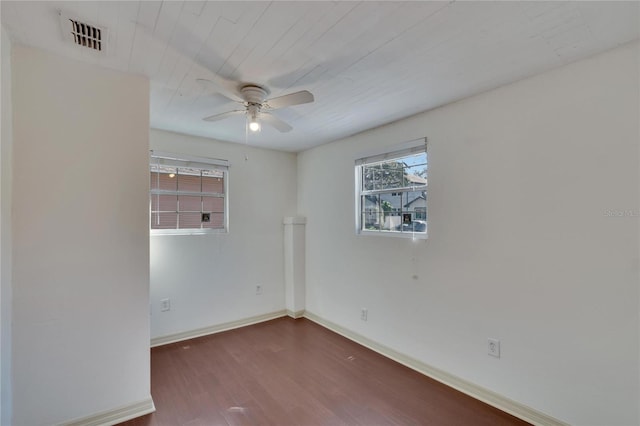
(253, 98)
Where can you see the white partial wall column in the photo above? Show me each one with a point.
(6, 161)
(294, 265)
(80, 242)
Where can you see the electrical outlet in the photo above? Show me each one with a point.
(165, 305)
(494, 347)
(363, 314)
(258, 289)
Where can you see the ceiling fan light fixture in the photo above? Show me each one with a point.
(252, 115)
(254, 126)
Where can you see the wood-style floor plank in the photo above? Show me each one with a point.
(295, 372)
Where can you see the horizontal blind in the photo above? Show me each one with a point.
(387, 156)
(188, 161)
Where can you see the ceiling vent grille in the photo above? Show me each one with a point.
(85, 34)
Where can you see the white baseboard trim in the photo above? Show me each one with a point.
(295, 314)
(514, 408)
(115, 416)
(185, 335)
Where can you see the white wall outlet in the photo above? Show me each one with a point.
(165, 305)
(363, 314)
(258, 289)
(494, 347)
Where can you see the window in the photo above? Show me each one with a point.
(188, 194)
(391, 192)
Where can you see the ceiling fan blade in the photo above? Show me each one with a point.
(222, 87)
(224, 115)
(274, 121)
(297, 98)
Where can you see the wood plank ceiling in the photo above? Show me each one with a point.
(367, 63)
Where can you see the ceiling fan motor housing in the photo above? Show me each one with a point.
(254, 94)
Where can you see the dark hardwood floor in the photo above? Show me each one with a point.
(295, 372)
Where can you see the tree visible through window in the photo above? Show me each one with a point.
(187, 195)
(392, 192)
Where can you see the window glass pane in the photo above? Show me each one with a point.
(213, 184)
(417, 206)
(164, 220)
(216, 221)
(378, 177)
(368, 177)
(190, 220)
(162, 177)
(387, 175)
(395, 199)
(189, 203)
(164, 203)
(392, 175)
(415, 169)
(391, 206)
(188, 182)
(213, 204)
(371, 212)
(164, 181)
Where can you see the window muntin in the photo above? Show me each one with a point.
(187, 197)
(392, 193)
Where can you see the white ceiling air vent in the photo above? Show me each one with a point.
(83, 33)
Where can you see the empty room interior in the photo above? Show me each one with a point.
(442, 193)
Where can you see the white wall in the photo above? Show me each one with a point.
(520, 245)
(211, 279)
(80, 239)
(6, 146)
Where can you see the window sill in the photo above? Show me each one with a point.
(395, 234)
(154, 232)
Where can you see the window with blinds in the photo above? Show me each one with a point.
(391, 192)
(188, 194)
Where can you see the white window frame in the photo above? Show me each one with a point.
(391, 153)
(193, 162)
